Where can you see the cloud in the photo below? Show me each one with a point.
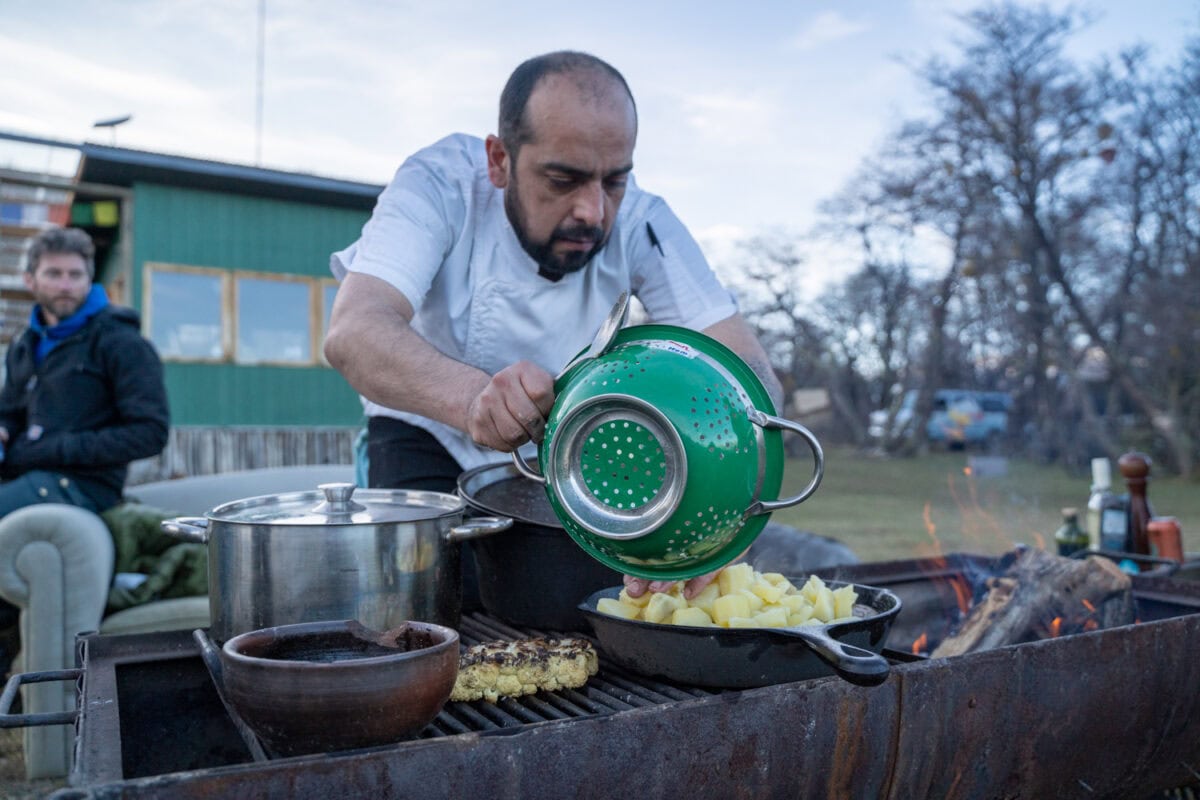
(729, 119)
(825, 28)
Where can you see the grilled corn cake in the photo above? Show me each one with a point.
(493, 670)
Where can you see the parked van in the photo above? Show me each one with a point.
(959, 417)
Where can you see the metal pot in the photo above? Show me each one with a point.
(534, 575)
(323, 555)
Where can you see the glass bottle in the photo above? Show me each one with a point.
(1114, 523)
(1070, 537)
(1101, 486)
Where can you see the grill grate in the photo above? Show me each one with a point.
(610, 690)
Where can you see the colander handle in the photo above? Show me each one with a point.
(768, 421)
(523, 467)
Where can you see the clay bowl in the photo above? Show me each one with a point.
(316, 687)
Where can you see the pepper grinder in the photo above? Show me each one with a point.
(1135, 468)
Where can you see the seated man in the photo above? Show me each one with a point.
(83, 394)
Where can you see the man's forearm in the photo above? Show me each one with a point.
(371, 343)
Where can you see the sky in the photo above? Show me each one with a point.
(751, 113)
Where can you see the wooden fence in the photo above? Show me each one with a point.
(208, 451)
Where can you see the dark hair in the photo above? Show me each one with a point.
(63, 240)
(514, 130)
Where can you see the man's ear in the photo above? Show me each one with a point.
(28, 276)
(498, 162)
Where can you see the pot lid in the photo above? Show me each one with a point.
(340, 504)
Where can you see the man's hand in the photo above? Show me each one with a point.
(512, 407)
(639, 586)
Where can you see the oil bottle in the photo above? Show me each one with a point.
(1070, 538)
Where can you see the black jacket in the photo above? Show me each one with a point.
(98, 400)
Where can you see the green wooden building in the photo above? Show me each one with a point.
(229, 267)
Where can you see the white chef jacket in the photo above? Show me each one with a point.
(439, 234)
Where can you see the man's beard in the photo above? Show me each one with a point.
(60, 306)
(552, 266)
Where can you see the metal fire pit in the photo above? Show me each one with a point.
(1108, 713)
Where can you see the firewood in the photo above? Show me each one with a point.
(1042, 595)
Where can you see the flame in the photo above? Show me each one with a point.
(962, 593)
(934, 548)
(975, 521)
(920, 644)
(1056, 627)
(1091, 608)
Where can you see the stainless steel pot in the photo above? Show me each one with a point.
(379, 556)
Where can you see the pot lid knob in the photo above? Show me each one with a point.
(338, 499)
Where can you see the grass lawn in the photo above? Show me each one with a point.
(889, 509)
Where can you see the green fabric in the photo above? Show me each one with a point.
(173, 568)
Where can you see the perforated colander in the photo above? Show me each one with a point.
(658, 458)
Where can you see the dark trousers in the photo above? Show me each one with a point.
(403, 456)
(42, 486)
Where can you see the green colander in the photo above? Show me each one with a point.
(662, 458)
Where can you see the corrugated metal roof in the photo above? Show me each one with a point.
(120, 166)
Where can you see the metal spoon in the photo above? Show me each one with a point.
(604, 336)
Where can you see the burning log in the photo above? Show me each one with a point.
(1042, 595)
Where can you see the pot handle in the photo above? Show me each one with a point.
(779, 423)
(189, 529)
(10, 720)
(477, 527)
(529, 472)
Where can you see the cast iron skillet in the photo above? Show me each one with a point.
(743, 658)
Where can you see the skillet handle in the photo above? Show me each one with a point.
(855, 664)
(779, 423)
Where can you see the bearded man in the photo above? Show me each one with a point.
(83, 394)
(488, 263)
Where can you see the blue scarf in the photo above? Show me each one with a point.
(52, 336)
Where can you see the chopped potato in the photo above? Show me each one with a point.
(728, 606)
(615, 608)
(843, 602)
(706, 597)
(823, 605)
(740, 597)
(630, 600)
(691, 616)
(769, 592)
(735, 577)
(802, 617)
(756, 602)
(662, 606)
(774, 617)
